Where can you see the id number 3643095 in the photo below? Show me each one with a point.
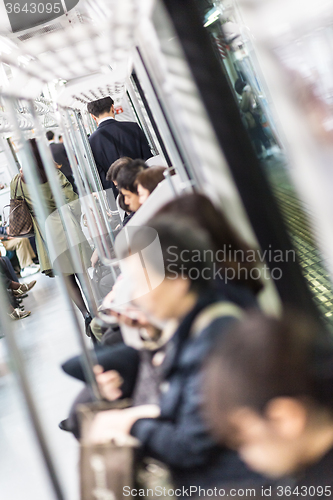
(33, 8)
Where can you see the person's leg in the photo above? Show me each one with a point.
(4, 278)
(76, 294)
(24, 250)
(33, 244)
(263, 137)
(9, 269)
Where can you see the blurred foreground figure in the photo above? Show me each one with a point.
(268, 390)
(193, 311)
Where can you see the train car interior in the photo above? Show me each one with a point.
(229, 106)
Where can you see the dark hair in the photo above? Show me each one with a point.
(116, 166)
(41, 171)
(150, 178)
(49, 135)
(122, 204)
(127, 175)
(100, 106)
(59, 137)
(262, 358)
(174, 237)
(202, 211)
(239, 86)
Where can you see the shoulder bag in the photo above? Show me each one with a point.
(20, 224)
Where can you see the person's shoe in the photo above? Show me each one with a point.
(24, 288)
(18, 314)
(64, 425)
(87, 321)
(29, 270)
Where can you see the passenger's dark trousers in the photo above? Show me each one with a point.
(3, 275)
(8, 269)
(6, 282)
(120, 357)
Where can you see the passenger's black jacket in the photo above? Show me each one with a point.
(179, 437)
(114, 139)
(60, 156)
(316, 476)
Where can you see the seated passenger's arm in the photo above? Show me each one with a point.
(109, 422)
(109, 383)
(185, 443)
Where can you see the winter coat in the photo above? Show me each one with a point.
(180, 437)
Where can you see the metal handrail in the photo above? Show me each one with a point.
(18, 363)
(102, 245)
(31, 177)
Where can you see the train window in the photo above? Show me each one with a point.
(188, 87)
(246, 51)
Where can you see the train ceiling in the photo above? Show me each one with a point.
(86, 54)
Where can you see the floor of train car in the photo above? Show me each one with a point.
(297, 221)
(46, 339)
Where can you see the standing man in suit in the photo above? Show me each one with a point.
(60, 157)
(114, 139)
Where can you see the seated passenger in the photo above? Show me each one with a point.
(174, 432)
(132, 169)
(24, 252)
(14, 291)
(126, 178)
(269, 393)
(113, 171)
(148, 180)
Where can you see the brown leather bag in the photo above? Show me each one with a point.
(20, 220)
(106, 469)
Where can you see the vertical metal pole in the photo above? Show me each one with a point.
(63, 208)
(168, 176)
(94, 180)
(88, 181)
(22, 378)
(67, 123)
(31, 176)
(94, 175)
(90, 158)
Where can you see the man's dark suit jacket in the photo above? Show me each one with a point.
(60, 156)
(114, 139)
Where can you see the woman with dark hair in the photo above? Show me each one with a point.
(268, 386)
(54, 225)
(148, 180)
(175, 286)
(230, 251)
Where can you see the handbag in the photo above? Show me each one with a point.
(20, 224)
(110, 470)
(106, 469)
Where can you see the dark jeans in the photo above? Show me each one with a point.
(8, 269)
